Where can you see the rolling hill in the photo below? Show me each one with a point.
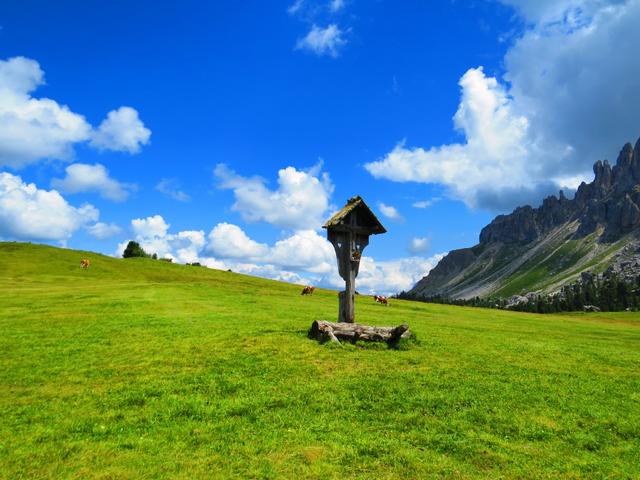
(143, 369)
(541, 249)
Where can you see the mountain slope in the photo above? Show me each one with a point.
(540, 249)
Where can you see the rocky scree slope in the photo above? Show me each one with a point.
(541, 249)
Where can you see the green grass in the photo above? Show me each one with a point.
(141, 369)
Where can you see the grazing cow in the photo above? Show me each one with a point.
(84, 263)
(308, 290)
(381, 299)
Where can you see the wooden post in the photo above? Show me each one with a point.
(348, 231)
(347, 304)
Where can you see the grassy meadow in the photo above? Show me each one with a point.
(139, 369)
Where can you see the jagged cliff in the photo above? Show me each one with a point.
(540, 249)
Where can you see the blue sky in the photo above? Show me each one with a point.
(172, 122)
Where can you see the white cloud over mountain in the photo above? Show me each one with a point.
(569, 74)
(34, 129)
(30, 213)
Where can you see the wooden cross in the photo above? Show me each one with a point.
(348, 231)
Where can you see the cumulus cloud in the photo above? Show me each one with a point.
(122, 130)
(82, 177)
(390, 212)
(171, 188)
(33, 128)
(300, 201)
(323, 41)
(305, 250)
(419, 245)
(393, 276)
(567, 75)
(303, 257)
(150, 227)
(307, 257)
(489, 158)
(153, 235)
(230, 241)
(102, 231)
(30, 213)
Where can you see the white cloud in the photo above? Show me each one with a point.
(389, 277)
(419, 245)
(153, 235)
(230, 241)
(304, 257)
(422, 204)
(171, 188)
(568, 75)
(122, 130)
(29, 213)
(102, 231)
(307, 257)
(187, 245)
(336, 5)
(81, 177)
(489, 158)
(300, 201)
(390, 212)
(32, 129)
(149, 227)
(305, 250)
(539, 12)
(323, 41)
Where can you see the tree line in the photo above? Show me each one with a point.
(608, 294)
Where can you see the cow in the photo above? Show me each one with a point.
(381, 300)
(308, 290)
(84, 263)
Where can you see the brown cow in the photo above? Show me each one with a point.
(84, 263)
(381, 299)
(308, 290)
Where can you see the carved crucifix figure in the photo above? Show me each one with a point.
(348, 231)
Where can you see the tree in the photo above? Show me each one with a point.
(134, 250)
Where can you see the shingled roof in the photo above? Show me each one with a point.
(365, 217)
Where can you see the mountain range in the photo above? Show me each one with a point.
(541, 249)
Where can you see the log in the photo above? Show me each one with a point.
(322, 330)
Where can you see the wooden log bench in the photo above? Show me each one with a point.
(323, 331)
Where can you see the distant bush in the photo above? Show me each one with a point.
(134, 250)
(154, 256)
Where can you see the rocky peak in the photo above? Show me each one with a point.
(611, 200)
